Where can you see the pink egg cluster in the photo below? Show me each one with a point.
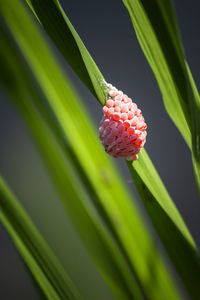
(122, 129)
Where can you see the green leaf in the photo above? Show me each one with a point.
(76, 198)
(155, 26)
(167, 211)
(111, 226)
(168, 223)
(69, 43)
(195, 135)
(47, 272)
(156, 29)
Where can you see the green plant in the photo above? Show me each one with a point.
(109, 224)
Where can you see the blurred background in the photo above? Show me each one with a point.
(107, 32)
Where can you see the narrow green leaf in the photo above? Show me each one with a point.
(155, 26)
(75, 198)
(114, 206)
(47, 272)
(195, 135)
(172, 232)
(168, 212)
(69, 43)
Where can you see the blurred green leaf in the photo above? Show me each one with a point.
(76, 199)
(47, 272)
(151, 185)
(110, 226)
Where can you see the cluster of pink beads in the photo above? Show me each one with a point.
(122, 129)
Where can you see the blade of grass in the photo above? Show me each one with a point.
(183, 254)
(169, 78)
(123, 220)
(68, 42)
(195, 135)
(47, 272)
(170, 215)
(75, 197)
(155, 26)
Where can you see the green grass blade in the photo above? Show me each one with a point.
(195, 135)
(75, 197)
(156, 29)
(160, 208)
(47, 272)
(69, 43)
(169, 213)
(125, 224)
(157, 33)
(155, 26)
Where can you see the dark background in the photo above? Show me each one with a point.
(107, 32)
